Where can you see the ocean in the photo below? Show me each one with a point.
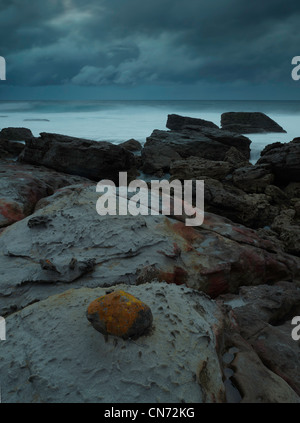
(118, 121)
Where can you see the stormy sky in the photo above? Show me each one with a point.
(160, 49)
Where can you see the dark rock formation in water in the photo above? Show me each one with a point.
(177, 122)
(16, 134)
(249, 123)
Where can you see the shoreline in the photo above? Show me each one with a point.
(222, 294)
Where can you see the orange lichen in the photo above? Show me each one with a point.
(118, 311)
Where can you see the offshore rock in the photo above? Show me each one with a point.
(177, 122)
(249, 123)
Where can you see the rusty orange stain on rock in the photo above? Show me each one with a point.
(11, 211)
(120, 314)
(188, 233)
(179, 276)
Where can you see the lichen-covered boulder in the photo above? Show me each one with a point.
(120, 314)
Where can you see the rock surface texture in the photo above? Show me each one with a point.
(177, 362)
(90, 159)
(65, 241)
(284, 160)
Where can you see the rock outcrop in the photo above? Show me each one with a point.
(10, 149)
(177, 122)
(164, 146)
(66, 242)
(284, 160)
(262, 315)
(53, 354)
(189, 314)
(23, 185)
(249, 123)
(131, 145)
(90, 159)
(15, 134)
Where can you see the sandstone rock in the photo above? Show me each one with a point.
(22, 186)
(131, 145)
(10, 148)
(90, 159)
(53, 354)
(164, 146)
(252, 210)
(158, 158)
(16, 134)
(231, 139)
(177, 122)
(236, 158)
(249, 123)
(293, 190)
(197, 168)
(86, 249)
(287, 226)
(258, 384)
(120, 314)
(262, 315)
(253, 179)
(284, 160)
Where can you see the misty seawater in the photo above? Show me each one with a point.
(118, 121)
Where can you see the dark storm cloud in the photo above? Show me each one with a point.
(127, 42)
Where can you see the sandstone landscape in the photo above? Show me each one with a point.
(222, 295)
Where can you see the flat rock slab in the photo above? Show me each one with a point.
(65, 241)
(53, 354)
(249, 123)
(177, 122)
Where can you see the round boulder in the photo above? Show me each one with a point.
(120, 314)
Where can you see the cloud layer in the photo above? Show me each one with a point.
(127, 43)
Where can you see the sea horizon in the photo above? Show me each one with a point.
(117, 121)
